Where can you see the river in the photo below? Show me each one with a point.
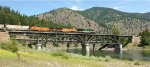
(125, 54)
(143, 55)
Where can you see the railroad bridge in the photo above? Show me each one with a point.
(84, 38)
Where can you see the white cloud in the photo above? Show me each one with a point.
(117, 7)
(75, 1)
(76, 8)
(142, 12)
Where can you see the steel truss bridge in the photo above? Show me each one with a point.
(85, 38)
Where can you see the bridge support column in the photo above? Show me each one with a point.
(93, 47)
(118, 47)
(118, 50)
(85, 49)
(39, 46)
(68, 45)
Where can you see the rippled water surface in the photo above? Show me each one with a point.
(125, 54)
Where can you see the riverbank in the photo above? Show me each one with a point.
(61, 59)
(132, 48)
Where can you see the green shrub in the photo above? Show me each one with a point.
(65, 56)
(145, 38)
(58, 53)
(100, 58)
(10, 46)
(137, 63)
(62, 54)
(107, 58)
(115, 31)
(148, 47)
(93, 57)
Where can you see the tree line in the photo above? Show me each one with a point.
(9, 16)
(145, 38)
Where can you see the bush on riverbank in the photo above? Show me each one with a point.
(107, 58)
(137, 63)
(10, 46)
(145, 38)
(147, 47)
(62, 54)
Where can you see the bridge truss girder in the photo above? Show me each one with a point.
(84, 38)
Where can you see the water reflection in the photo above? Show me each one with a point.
(125, 54)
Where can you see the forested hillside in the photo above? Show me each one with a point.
(69, 17)
(9, 16)
(100, 19)
(127, 23)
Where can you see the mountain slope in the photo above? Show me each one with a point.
(104, 15)
(100, 19)
(69, 17)
(127, 23)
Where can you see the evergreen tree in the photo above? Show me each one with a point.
(145, 38)
(9, 16)
(115, 31)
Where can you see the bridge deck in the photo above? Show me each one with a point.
(63, 33)
(78, 37)
(67, 41)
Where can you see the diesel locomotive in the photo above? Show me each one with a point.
(36, 28)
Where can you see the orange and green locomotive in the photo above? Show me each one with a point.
(37, 28)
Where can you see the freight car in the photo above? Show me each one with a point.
(55, 29)
(68, 30)
(85, 30)
(36, 28)
(14, 27)
(17, 27)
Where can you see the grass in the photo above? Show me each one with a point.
(147, 47)
(40, 59)
(108, 58)
(137, 63)
(6, 54)
(35, 58)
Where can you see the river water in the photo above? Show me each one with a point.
(143, 55)
(125, 54)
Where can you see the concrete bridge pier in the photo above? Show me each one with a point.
(68, 45)
(118, 50)
(85, 49)
(118, 47)
(93, 47)
(39, 46)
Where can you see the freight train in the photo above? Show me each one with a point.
(36, 28)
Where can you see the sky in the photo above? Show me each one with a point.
(34, 7)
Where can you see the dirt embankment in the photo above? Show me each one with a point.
(4, 36)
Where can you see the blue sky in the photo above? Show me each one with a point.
(34, 7)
